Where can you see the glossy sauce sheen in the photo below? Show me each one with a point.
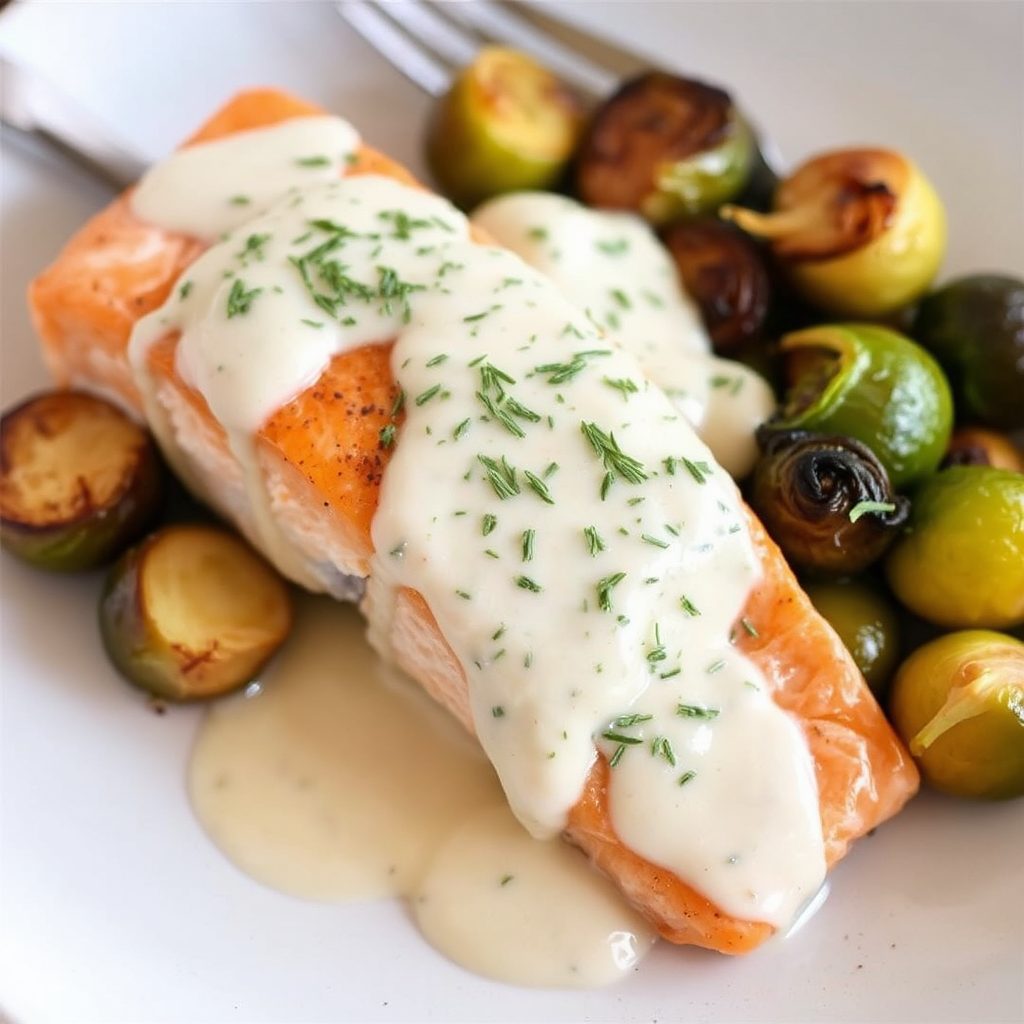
(580, 549)
(293, 787)
(613, 266)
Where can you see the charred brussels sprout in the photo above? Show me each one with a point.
(858, 232)
(825, 500)
(192, 612)
(975, 328)
(960, 564)
(79, 481)
(723, 272)
(664, 147)
(507, 123)
(873, 384)
(958, 704)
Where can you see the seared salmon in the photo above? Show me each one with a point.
(322, 460)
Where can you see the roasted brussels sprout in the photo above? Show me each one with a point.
(975, 328)
(960, 563)
(723, 272)
(958, 704)
(858, 232)
(873, 384)
(192, 612)
(506, 123)
(79, 481)
(976, 446)
(867, 622)
(664, 147)
(825, 500)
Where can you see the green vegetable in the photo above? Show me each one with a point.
(506, 124)
(79, 481)
(958, 704)
(665, 147)
(192, 612)
(858, 232)
(960, 563)
(872, 384)
(975, 328)
(825, 500)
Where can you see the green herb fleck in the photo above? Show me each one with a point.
(863, 508)
(594, 540)
(696, 711)
(239, 300)
(528, 539)
(604, 590)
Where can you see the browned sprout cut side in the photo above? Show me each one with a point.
(665, 147)
(193, 612)
(506, 124)
(79, 481)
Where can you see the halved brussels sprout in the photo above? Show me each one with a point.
(665, 147)
(192, 612)
(958, 704)
(723, 271)
(875, 385)
(859, 232)
(825, 500)
(975, 328)
(79, 481)
(506, 124)
(960, 563)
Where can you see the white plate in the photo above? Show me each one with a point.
(113, 904)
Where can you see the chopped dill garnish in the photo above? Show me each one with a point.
(313, 161)
(501, 476)
(538, 487)
(624, 385)
(662, 747)
(594, 540)
(239, 300)
(748, 626)
(656, 541)
(525, 583)
(687, 777)
(696, 711)
(604, 590)
(615, 460)
(698, 470)
(528, 539)
(489, 523)
(427, 395)
(863, 508)
(437, 360)
(387, 435)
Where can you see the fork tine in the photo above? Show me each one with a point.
(402, 52)
(428, 41)
(502, 25)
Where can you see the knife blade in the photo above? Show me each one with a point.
(36, 112)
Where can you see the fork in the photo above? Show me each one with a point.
(429, 42)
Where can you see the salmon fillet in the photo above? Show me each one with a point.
(322, 462)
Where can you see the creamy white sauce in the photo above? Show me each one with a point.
(582, 552)
(334, 780)
(214, 187)
(612, 265)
